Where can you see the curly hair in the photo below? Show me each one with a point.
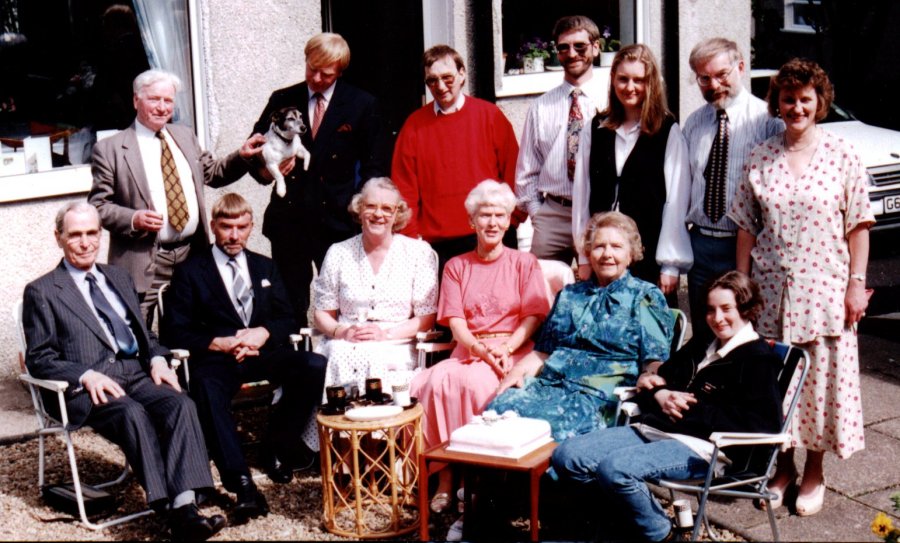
(745, 290)
(401, 217)
(799, 73)
(655, 108)
(620, 221)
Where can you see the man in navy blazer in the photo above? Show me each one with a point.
(348, 146)
(228, 306)
(119, 381)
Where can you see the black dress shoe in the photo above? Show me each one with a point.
(187, 524)
(250, 503)
(278, 471)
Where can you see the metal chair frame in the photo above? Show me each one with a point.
(49, 425)
(744, 482)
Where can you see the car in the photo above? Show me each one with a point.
(878, 148)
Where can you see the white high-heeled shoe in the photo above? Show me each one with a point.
(810, 504)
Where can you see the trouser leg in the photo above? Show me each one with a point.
(712, 257)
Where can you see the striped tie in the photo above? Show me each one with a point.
(176, 204)
(318, 113)
(243, 296)
(117, 326)
(715, 172)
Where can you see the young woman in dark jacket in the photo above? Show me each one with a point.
(730, 385)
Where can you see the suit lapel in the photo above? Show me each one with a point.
(134, 312)
(216, 284)
(70, 296)
(132, 153)
(256, 278)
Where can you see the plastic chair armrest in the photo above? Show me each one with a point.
(435, 347)
(625, 393)
(49, 384)
(428, 335)
(728, 439)
(631, 409)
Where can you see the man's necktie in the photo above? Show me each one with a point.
(243, 296)
(123, 335)
(318, 113)
(716, 172)
(573, 134)
(176, 204)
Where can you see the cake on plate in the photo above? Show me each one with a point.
(507, 435)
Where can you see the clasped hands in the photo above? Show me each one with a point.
(246, 342)
(497, 357)
(672, 402)
(366, 331)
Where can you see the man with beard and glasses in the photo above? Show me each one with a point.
(720, 136)
(553, 157)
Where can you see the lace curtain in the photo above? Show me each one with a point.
(166, 34)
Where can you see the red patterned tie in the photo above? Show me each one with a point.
(318, 113)
(573, 134)
(176, 204)
(715, 172)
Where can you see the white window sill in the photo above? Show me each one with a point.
(56, 182)
(799, 30)
(524, 84)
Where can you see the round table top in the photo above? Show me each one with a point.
(340, 422)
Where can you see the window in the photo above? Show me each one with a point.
(802, 16)
(526, 30)
(67, 68)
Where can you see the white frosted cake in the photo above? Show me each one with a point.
(508, 436)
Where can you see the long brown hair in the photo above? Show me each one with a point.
(655, 108)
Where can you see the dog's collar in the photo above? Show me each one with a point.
(281, 134)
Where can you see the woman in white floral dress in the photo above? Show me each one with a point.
(803, 215)
(373, 293)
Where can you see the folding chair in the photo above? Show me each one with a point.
(749, 480)
(49, 425)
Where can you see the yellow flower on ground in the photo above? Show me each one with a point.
(882, 525)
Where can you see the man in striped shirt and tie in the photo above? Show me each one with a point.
(720, 136)
(230, 308)
(553, 157)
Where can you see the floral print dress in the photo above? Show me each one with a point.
(598, 338)
(802, 262)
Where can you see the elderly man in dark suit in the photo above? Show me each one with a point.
(148, 186)
(228, 306)
(83, 326)
(348, 145)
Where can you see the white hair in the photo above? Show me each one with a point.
(153, 76)
(490, 193)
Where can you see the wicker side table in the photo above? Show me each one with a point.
(370, 474)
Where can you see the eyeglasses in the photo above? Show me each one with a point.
(433, 81)
(385, 209)
(580, 47)
(721, 77)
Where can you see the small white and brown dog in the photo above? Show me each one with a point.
(283, 142)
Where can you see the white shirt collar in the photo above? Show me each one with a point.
(327, 93)
(457, 106)
(222, 259)
(745, 335)
(144, 131)
(78, 274)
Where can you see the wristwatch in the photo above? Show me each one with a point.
(858, 276)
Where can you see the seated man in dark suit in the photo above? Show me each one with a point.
(229, 306)
(83, 326)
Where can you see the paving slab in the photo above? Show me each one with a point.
(874, 468)
(840, 520)
(881, 500)
(889, 428)
(879, 398)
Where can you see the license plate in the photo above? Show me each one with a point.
(892, 204)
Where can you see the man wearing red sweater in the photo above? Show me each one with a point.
(446, 148)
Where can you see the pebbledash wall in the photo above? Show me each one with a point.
(248, 49)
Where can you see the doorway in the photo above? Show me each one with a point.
(386, 44)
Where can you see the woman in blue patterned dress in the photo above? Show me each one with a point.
(600, 334)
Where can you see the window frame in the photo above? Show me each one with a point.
(77, 179)
(789, 24)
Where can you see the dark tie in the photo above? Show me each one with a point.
(716, 172)
(573, 134)
(318, 113)
(117, 326)
(176, 204)
(242, 294)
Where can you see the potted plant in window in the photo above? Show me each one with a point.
(608, 47)
(533, 53)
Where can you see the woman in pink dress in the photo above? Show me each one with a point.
(804, 216)
(493, 299)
